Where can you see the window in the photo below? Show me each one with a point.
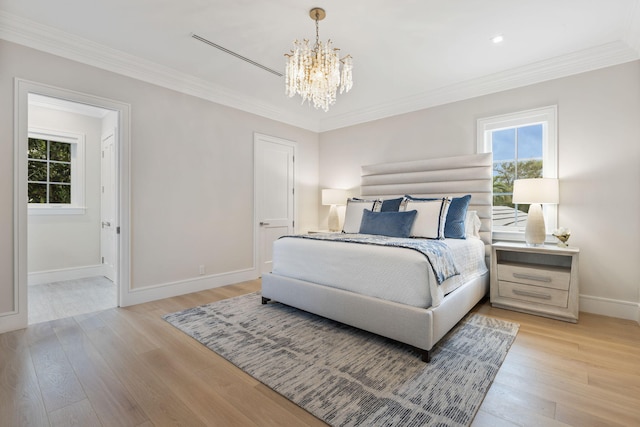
(49, 179)
(55, 172)
(523, 146)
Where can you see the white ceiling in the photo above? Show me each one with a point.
(407, 55)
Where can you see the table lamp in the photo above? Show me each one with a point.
(535, 191)
(332, 197)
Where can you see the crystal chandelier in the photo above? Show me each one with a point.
(315, 73)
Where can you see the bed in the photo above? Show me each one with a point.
(369, 285)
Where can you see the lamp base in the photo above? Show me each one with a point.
(535, 232)
(334, 221)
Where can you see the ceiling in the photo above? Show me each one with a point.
(407, 55)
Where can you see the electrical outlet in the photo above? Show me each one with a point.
(201, 270)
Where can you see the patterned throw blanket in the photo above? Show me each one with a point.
(437, 252)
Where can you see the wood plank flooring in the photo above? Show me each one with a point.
(127, 367)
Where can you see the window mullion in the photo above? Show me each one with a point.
(48, 169)
(515, 169)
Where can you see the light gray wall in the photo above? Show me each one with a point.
(192, 167)
(65, 241)
(599, 154)
(191, 171)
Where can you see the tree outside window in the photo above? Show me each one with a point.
(517, 154)
(49, 172)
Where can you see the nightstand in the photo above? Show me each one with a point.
(541, 280)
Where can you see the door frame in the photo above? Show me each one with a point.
(18, 318)
(257, 138)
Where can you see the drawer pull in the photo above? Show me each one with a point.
(532, 277)
(531, 294)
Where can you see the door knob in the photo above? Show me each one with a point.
(264, 223)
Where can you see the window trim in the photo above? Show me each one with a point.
(548, 117)
(77, 141)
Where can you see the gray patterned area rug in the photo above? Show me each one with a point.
(349, 377)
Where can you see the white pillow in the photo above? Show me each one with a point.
(472, 224)
(353, 214)
(431, 217)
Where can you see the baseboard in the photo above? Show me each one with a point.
(182, 287)
(75, 273)
(610, 307)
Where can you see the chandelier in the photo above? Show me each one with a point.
(315, 73)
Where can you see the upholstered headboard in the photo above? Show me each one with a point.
(448, 176)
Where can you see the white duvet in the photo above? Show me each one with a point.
(391, 273)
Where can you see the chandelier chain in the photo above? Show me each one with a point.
(317, 29)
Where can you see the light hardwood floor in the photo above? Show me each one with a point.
(126, 366)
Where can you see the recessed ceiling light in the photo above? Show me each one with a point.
(498, 38)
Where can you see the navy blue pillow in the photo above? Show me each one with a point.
(392, 224)
(391, 205)
(454, 226)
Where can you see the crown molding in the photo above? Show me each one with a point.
(37, 36)
(51, 40)
(562, 66)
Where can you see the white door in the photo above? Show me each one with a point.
(108, 236)
(274, 194)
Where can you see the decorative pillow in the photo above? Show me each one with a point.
(431, 217)
(454, 227)
(393, 224)
(472, 224)
(353, 214)
(391, 205)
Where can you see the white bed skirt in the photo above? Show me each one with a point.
(419, 327)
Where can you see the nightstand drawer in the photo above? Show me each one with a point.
(547, 277)
(535, 294)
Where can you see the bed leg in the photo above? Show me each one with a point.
(265, 300)
(426, 356)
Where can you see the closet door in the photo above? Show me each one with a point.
(274, 194)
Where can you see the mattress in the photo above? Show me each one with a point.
(392, 273)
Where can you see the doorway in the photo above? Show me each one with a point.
(18, 317)
(70, 208)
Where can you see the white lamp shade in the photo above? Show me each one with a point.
(332, 196)
(536, 190)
